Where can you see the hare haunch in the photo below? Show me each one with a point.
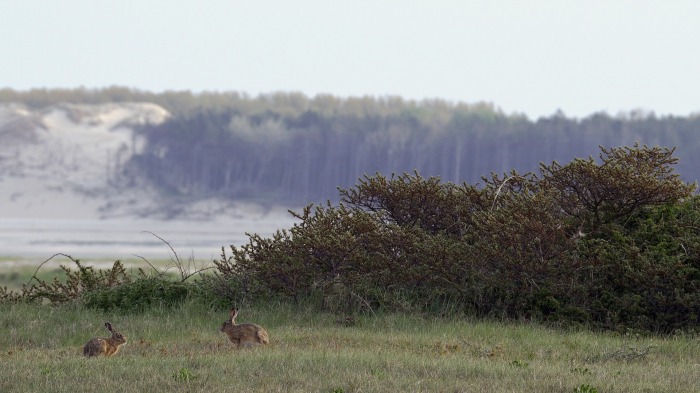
(244, 335)
(99, 346)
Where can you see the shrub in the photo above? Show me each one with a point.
(139, 294)
(613, 244)
(104, 289)
(77, 283)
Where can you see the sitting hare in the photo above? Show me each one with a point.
(105, 346)
(246, 335)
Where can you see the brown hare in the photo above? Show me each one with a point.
(244, 335)
(105, 346)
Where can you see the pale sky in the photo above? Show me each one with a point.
(523, 56)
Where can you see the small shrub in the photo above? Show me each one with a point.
(138, 294)
(519, 364)
(184, 375)
(77, 283)
(585, 388)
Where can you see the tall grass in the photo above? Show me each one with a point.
(181, 349)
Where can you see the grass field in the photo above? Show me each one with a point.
(181, 350)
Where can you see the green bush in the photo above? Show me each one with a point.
(139, 294)
(78, 282)
(104, 289)
(612, 244)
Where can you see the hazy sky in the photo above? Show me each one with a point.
(525, 56)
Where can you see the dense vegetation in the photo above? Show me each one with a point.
(612, 243)
(290, 148)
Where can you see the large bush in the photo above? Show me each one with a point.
(611, 243)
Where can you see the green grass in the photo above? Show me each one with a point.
(182, 350)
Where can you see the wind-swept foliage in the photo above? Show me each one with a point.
(612, 244)
(627, 180)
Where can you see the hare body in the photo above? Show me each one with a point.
(246, 334)
(99, 346)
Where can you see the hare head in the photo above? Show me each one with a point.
(231, 321)
(105, 346)
(117, 337)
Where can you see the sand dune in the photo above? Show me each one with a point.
(61, 191)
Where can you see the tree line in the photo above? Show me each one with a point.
(291, 148)
(306, 156)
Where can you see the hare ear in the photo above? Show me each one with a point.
(108, 326)
(233, 313)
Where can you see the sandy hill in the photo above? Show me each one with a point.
(66, 162)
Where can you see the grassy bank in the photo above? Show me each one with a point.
(182, 350)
